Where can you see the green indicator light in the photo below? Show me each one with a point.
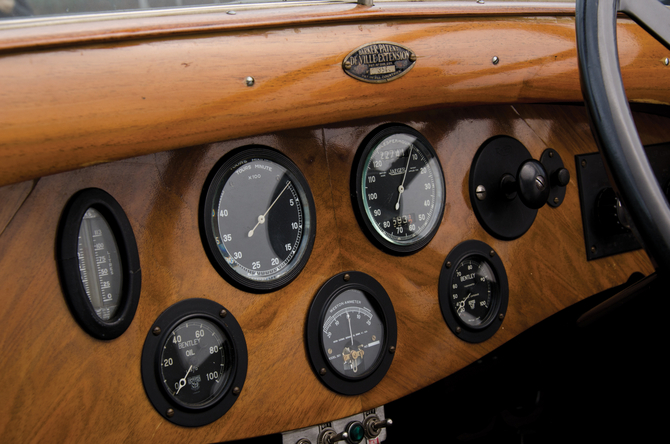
(356, 432)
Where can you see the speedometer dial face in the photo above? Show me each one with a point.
(259, 219)
(352, 334)
(399, 189)
(473, 290)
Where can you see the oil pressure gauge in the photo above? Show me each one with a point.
(258, 219)
(397, 189)
(473, 291)
(351, 333)
(194, 362)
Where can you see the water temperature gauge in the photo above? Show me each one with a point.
(351, 333)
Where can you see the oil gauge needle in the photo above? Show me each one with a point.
(261, 218)
(401, 188)
(182, 381)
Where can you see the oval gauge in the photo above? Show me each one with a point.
(194, 362)
(473, 291)
(98, 264)
(351, 333)
(258, 219)
(398, 189)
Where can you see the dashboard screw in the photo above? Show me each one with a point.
(448, 264)
(666, 62)
(458, 330)
(231, 12)
(322, 372)
(556, 200)
(250, 81)
(594, 249)
(223, 313)
(392, 349)
(501, 316)
(583, 163)
(156, 331)
(236, 391)
(492, 253)
(347, 65)
(169, 413)
(480, 192)
(495, 60)
(412, 58)
(347, 277)
(551, 154)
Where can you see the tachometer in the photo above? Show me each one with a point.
(398, 189)
(258, 219)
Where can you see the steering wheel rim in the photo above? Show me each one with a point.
(611, 118)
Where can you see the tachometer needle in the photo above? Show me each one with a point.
(261, 218)
(401, 188)
(182, 381)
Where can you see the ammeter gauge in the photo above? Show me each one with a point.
(351, 333)
(473, 291)
(258, 219)
(397, 189)
(194, 362)
(98, 263)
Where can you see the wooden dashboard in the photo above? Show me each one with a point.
(139, 108)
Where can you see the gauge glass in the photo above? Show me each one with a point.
(99, 264)
(473, 290)
(401, 188)
(193, 364)
(261, 219)
(352, 334)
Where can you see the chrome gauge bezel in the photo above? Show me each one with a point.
(209, 229)
(165, 403)
(477, 251)
(362, 207)
(69, 269)
(379, 299)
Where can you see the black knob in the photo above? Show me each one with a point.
(560, 178)
(531, 184)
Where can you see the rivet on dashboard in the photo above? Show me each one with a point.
(551, 154)
(594, 249)
(322, 372)
(347, 65)
(231, 13)
(492, 253)
(448, 264)
(501, 316)
(346, 277)
(250, 81)
(583, 163)
(666, 62)
(392, 349)
(412, 57)
(480, 191)
(557, 200)
(481, 2)
(169, 413)
(458, 330)
(223, 313)
(156, 331)
(236, 391)
(495, 60)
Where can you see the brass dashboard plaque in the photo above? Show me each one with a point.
(379, 62)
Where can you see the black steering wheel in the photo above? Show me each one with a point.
(612, 121)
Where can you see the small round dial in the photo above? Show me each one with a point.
(194, 367)
(352, 334)
(259, 219)
(399, 189)
(472, 291)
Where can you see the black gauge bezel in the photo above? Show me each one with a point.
(215, 182)
(482, 252)
(165, 404)
(357, 199)
(67, 241)
(350, 280)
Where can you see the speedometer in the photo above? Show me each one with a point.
(398, 189)
(258, 219)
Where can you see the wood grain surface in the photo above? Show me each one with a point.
(61, 385)
(84, 104)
